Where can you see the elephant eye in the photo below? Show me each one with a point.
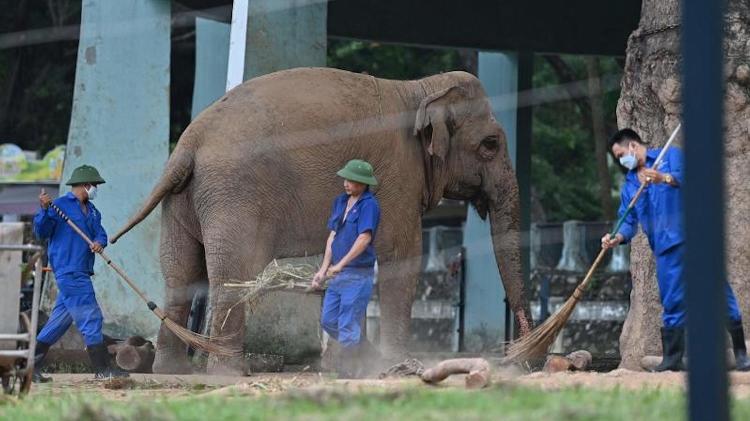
(488, 147)
(490, 143)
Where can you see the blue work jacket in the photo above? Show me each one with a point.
(659, 209)
(67, 251)
(364, 216)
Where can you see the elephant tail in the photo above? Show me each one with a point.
(173, 180)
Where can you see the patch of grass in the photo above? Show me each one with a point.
(429, 403)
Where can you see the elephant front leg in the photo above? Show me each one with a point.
(397, 282)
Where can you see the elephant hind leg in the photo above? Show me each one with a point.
(184, 269)
(230, 260)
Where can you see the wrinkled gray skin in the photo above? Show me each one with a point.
(253, 177)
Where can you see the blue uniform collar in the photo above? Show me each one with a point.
(70, 196)
(367, 195)
(651, 155)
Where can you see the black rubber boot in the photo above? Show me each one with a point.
(742, 363)
(40, 353)
(673, 346)
(100, 361)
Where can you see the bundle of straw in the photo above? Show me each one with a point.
(291, 277)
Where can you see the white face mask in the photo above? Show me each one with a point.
(629, 161)
(91, 192)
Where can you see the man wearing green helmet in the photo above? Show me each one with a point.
(72, 261)
(350, 260)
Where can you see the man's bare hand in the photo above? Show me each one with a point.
(96, 247)
(44, 199)
(319, 279)
(334, 270)
(609, 242)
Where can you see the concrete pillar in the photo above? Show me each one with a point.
(503, 76)
(282, 34)
(120, 124)
(211, 62)
(484, 323)
(574, 257)
(237, 44)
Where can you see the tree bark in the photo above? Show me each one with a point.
(650, 103)
(135, 354)
(137, 359)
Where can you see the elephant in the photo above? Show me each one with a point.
(252, 179)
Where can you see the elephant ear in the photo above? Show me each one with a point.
(436, 119)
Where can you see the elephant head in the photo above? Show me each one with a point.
(466, 158)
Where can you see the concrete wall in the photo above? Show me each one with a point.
(120, 124)
(11, 233)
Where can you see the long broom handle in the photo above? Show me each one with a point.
(151, 305)
(582, 286)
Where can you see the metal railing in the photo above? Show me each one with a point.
(30, 336)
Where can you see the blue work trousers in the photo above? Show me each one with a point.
(76, 302)
(669, 267)
(345, 306)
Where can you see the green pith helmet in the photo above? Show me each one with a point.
(85, 174)
(359, 171)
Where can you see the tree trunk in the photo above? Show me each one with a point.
(600, 135)
(650, 103)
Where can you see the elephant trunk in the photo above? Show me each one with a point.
(505, 216)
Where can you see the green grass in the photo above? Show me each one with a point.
(424, 403)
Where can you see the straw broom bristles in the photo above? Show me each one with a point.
(211, 345)
(537, 342)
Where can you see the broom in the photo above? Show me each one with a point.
(193, 339)
(537, 342)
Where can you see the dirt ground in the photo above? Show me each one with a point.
(191, 385)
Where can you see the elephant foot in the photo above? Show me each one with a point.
(226, 366)
(169, 363)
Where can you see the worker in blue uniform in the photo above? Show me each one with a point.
(72, 261)
(659, 212)
(350, 261)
